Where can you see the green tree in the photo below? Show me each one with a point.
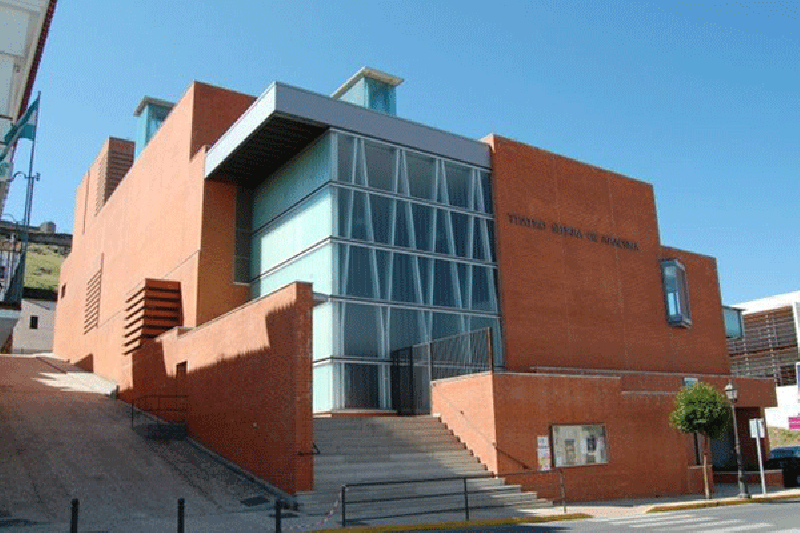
(701, 409)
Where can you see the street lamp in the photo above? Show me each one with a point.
(732, 393)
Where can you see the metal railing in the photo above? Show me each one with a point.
(461, 487)
(415, 367)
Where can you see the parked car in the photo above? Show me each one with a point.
(786, 458)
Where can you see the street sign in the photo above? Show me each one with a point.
(757, 428)
(758, 432)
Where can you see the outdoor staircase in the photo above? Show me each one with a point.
(382, 449)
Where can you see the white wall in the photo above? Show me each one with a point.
(38, 340)
(788, 405)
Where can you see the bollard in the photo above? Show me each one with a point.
(73, 524)
(181, 514)
(278, 507)
(466, 501)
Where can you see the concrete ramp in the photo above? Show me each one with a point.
(62, 437)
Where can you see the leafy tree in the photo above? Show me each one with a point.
(701, 409)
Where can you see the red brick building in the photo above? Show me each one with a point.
(269, 257)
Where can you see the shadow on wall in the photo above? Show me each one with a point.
(247, 376)
(87, 363)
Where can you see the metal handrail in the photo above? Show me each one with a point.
(465, 491)
(158, 408)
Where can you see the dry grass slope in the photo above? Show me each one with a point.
(43, 266)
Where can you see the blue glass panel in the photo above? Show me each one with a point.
(458, 184)
(361, 169)
(478, 241)
(361, 330)
(380, 165)
(344, 206)
(359, 275)
(423, 219)
(460, 229)
(383, 259)
(294, 181)
(359, 228)
(404, 328)
(361, 389)
(446, 325)
(381, 217)
(314, 267)
(421, 174)
(292, 233)
(401, 231)
(442, 230)
(323, 385)
(443, 284)
(322, 324)
(490, 228)
(486, 185)
(481, 300)
(425, 266)
(461, 269)
(733, 322)
(345, 155)
(403, 279)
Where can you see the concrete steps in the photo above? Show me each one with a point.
(389, 449)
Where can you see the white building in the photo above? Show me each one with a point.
(34, 330)
(769, 348)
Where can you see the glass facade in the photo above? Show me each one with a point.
(401, 244)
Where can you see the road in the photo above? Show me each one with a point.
(776, 516)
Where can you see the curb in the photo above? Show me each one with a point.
(470, 524)
(721, 503)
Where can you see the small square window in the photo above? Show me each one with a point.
(34, 322)
(676, 293)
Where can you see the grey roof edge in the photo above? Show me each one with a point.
(246, 124)
(367, 72)
(308, 106)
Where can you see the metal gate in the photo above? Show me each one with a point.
(414, 367)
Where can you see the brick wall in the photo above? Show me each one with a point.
(500, 416)
(163, 221)
(580, 278)
(248, 379)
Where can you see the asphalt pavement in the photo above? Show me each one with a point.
(775, 516)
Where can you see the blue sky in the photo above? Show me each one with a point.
(700, 99)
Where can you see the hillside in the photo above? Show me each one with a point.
(43, 266)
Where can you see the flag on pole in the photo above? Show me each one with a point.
(25, 128)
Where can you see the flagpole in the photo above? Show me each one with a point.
(28, 205)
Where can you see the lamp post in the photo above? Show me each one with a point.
(8, 260)
(732, 393)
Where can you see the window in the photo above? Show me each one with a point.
(676, 293)
(244, 222)
(580, 445)
(733, 322)
(34, 322)
(63, 290)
